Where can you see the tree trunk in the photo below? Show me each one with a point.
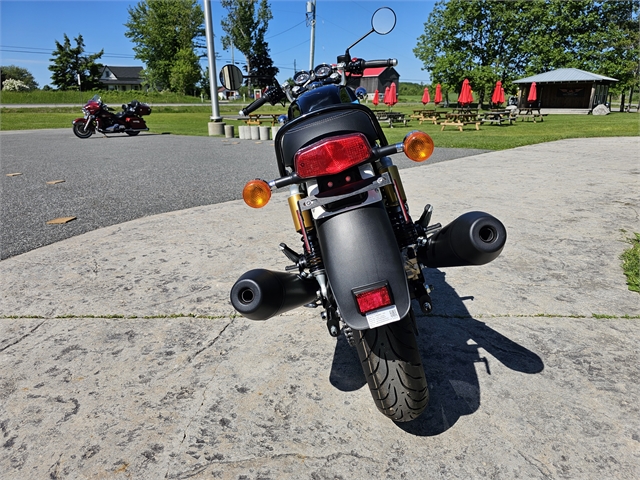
(622, 102)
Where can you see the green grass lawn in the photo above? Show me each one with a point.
(193, 121)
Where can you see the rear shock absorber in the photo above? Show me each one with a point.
(312, 259)
(395, 200)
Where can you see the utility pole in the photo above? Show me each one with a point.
(213, 85)
(311, 20)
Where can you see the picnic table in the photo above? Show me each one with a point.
(260, 118)
(530, 114)
(391, 117)
(427, 116)
(461, 119)
(498, 116)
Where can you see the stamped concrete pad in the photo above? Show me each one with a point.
(524, 383)
(196, 398)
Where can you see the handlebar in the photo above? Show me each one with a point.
(256, 104)
(358, 66)
(389, 62)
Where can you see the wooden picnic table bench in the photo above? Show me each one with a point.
(459, 120)
(392, 117)
(531, 114)
(427, 116)
(498, 117)
(260, 118)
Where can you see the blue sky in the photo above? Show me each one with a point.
(28, 30)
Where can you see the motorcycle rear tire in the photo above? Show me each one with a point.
(132, 134)
(80, 132)
(391, 363)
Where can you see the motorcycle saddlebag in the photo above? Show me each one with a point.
(136, 123)
(143, 109)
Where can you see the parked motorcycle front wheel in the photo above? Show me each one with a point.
(80, 132)
(391, 363)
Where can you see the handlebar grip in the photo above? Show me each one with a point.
(253, 106)
(390, 62)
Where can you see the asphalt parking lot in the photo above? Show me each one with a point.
(112, 180)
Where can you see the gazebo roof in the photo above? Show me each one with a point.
(566, 75)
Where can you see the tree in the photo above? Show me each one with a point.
(489, 40)
(167, 34)
(185, 71)
(68, 62)
(245, 27)
(18, 73)
(262, 68)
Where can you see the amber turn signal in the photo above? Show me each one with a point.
(418, 146)
(256, 193)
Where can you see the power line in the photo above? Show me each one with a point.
(285, 31)
(43, 51)
(295, 46)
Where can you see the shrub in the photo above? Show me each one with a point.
(13, 85)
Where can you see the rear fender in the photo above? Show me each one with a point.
(359, 249)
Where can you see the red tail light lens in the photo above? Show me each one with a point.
(332, 155)
(373, 299)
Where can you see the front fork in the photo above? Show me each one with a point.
(89, 121)
(408, 236)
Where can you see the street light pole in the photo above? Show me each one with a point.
(311, 20)
(211, 53)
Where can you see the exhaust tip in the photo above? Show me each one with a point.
(246, 296)
(487, 233)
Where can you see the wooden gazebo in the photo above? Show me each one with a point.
(566, 88)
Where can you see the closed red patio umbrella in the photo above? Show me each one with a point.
(498, 94)
(425, 96)
(465, 97)
(438, 97)
(376, 100)
(533, 94)
(385, 97)
(393, 96)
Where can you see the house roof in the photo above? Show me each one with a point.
(123, 74)
(373, 72)
(566, 75)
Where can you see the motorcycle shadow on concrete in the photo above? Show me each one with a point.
(448, 341)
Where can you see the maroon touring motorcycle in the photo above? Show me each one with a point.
(99, 116)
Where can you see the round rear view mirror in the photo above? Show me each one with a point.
(383, 20)
(231, 77)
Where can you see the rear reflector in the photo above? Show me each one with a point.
(332, 155)
(373, 299)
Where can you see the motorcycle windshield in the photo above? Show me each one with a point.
(96, 98)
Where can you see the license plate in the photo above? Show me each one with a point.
(383, 316)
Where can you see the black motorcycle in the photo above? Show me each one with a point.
(363, 256)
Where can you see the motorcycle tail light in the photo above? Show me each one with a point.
(256, 193)
(373, 299)
(332, 155)
(418, 146)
